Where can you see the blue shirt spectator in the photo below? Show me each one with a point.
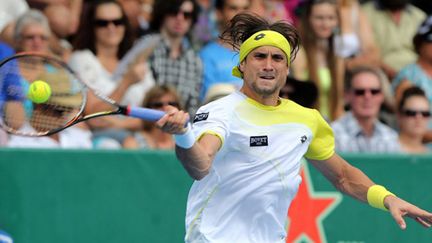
(218, 62)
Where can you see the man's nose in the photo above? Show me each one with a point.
(268, 64)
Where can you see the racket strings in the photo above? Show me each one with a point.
(21, 115)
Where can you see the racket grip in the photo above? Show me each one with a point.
(145, 113)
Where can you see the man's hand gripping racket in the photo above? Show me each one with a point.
(55, 102)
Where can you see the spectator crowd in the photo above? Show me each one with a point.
(365, 65)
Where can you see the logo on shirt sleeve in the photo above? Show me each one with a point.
(303, 139)
(201, 117)
(257, 141)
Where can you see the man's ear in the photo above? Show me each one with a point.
(241, 66)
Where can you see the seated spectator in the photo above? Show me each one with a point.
(151, 137)
(32, 33)
(418, 73)
(394, 25)
(99, 47)
(355, 42)
(218, 57)
(317, 60)
(172, 59)
(413, 116)
(360, 130)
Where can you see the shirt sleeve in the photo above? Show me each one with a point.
(323, 144)
(211, 119)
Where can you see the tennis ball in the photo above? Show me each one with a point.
(39, 91)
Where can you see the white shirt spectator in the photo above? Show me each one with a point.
(88, 67)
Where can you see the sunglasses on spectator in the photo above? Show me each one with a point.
(360, 92)
(158, 105)
(186, 14)
(413, 113)
(105, 22)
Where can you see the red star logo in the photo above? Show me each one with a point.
(308, 209)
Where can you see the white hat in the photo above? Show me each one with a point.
(219, 90)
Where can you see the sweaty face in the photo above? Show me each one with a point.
(179, 23)
(265, 70)
(365, 95)
(323, 19)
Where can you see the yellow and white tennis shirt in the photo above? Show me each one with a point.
(255, 174)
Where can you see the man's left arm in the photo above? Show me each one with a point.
(353, 182)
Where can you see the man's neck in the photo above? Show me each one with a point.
(271, 100)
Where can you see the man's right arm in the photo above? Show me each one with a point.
(196, 156)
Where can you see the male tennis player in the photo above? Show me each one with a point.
(244, 149)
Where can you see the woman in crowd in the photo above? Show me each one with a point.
(317, 60)
(99, 47)
(413, 116)
(151, 137)
(418, 73)
(32, 34)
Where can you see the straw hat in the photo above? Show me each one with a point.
(219, 90)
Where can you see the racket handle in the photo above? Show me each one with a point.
(145, 113)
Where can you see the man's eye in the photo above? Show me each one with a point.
(278, 58)
(260, 55)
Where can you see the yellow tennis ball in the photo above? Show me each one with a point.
(39, 91)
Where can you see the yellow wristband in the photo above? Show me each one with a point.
(376, 195)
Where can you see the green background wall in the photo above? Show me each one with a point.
(53, 196)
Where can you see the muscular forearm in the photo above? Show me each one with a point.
(196, 162)
(345, 177)
(354, 182)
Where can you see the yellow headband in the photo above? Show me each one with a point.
(262, 38)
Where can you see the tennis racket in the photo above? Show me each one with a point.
(64, 107)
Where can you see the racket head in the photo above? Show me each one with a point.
(19, 114)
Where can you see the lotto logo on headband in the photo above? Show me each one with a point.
(260, 36)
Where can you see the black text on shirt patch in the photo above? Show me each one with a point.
(257, 141)
(201, 117)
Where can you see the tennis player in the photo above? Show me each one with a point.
(244, 150)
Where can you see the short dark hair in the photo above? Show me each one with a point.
(244, 25)
(162, 8)
(423, 35)
(408, 93)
